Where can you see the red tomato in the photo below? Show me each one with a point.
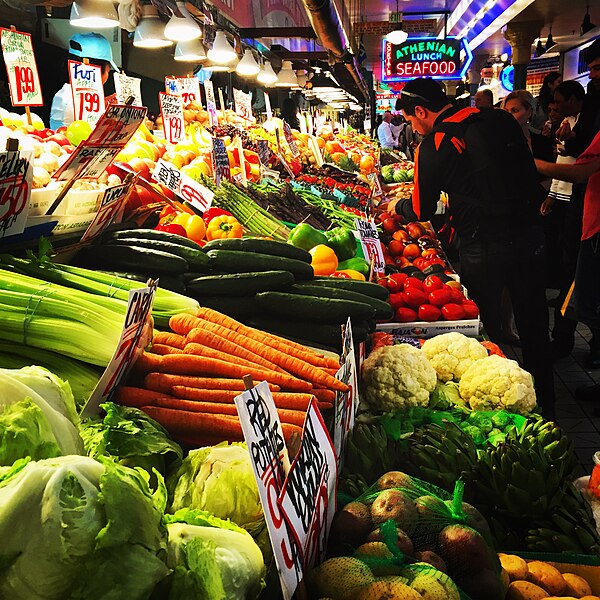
(432, 282)
(429, 253)
(395, 281)
(414, 297)
(471, 309)
(453, 312)
(440, 297)
(430, 313)
(406, 315)
(340, 275)
(397, 300)
(412, 251)
(456, 296)
(413, 282)
(420, 263)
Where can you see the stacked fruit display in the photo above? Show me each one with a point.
(399, 172)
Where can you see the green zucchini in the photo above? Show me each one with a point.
(153, 234)
(272, 247)
(311, 308)
(196, 259)
(131, 258)
(383, 311)
(239, 261)
(239, 284)
(362, 287)
(239, 307)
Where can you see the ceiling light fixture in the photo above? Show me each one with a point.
(150, 31)
(247, 67)
(586, 24)
(183, 28)
(286, 77)
(549, 41)
(222, 51)
(539, 49)
(190, 51)
(267, 75)
(397, 36)
(93, 14)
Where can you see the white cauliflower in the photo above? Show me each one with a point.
(451, 354)
(397, 377)
(496, 383)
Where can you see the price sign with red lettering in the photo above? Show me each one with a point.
(88, 91)
(135, 335)
(21, 68)
(268, 454)
(371, 245)
(211, 103)
(289, 138)
(243, 104)
(16, 174)
(186, 87)
(220, 160)
(126, 87)
(171, 109)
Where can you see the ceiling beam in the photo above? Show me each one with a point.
(254, 33)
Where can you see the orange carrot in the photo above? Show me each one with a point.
(323, 395)
(147, 362)
(137, 397)
(163, 382)
(208, 338)
(170, 339)
(325, 406)
(183, 323)
(200, 350)
(163, 349)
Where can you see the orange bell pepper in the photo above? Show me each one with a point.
(324, 261)
(223, 226)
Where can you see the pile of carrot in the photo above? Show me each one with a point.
(192, 374)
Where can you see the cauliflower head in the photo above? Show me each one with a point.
(496, 383)
(451, 354)
(397, 377)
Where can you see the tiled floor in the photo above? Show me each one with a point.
(577, 418)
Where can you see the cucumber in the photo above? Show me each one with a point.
(261, 246)
(153, 234)
(175, 284)
(239, 307)
(131, 258)
(311, 308)
(239, 284)
(239, 261)
(196, 259)
(362, 287)
(383, 311)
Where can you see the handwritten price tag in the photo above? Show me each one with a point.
(369, 240)
(220, 160)
(243, 104)
(289, 138)
(16, 174)
(21, 68)
(88, 91)
(268, 108)
(171, 110)
(136, 333)
(211, 104)
(264, 152)
(186, 87)
(126, 86)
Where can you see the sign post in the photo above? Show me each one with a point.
(369, 240)
(243, 104)
(220, 160)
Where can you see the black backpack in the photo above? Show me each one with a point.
(500, 161)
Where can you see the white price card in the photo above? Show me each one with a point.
(243, 104)
(186, 87)
(211, 104)
(171, 109)
(289, 138)
(268, 106)
(88, 91)
(16, 175)
(371, 245)
(135, 335)
(308, 499)
(21, 68)
(126, 86)
(269, 457)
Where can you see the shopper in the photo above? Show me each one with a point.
(385, 134)
(482, 160)
(552, 124)
(550, 83)
(289, 113)
(96, 49)
(484, 98)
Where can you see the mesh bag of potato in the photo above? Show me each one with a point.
(403, 524)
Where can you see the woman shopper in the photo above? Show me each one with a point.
(550, 83)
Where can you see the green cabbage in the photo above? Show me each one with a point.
(445, 395)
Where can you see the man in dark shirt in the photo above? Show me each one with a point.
(494, 211)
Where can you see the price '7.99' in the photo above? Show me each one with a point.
(25, 81)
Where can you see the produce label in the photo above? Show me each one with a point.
(264, 152)
(243, 104)
(289, 138)
(314, 146)
(220, 160)
(369, 240)
(171, 110)
(269, 457)
(268, 108)
(126, 87)
(211, 104)
(308, 498)
(135, 336)
(21, 68)
(113, 198)
(16, 175)
(88, 91)
(375, 184)
(183, 185)
(186, 87)
(281, 157)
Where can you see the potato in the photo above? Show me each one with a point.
(547, 577)
(515, 566)
(576, 585)
(524, 590)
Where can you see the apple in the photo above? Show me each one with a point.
(415, 230)
(411, 251)
(389, 225)
(59, 138)
(140, 166)
(161, 148)
(396, 248)
(402, 236)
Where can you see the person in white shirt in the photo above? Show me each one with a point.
(97, 50)
(385, 135)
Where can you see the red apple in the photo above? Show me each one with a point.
(411, 251)
(401, 236)
(396, 248)
(415, 230)
(140, 166)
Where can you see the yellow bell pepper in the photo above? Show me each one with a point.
(223, 226)
(352, 274)
(324, 261)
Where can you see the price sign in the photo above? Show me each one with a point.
(268, 106)
(289, 138)
(171, 110)
(211, 103)
(16, 175)
(302, 119)
(269, 457)
(186, 87)
(135, 335)
(375, 184)
(88, 91)
(243, 104)
(264, 152)
(126, 87)
(314, 146)
(195, 193)
(21, 68)
(369, 240)
(281, 158)
(308, 497)
(220, 160)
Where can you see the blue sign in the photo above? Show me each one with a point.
(507, 78)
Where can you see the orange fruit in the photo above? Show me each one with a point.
(367, 163)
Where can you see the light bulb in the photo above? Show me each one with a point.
(396, 37)
(267, 76)
(286, 77)
(184, 28)
(93, 14)
(222, 51)
(190, 51)
(150, 31)
(247, 67)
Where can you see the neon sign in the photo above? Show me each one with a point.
(447, 58)
(507, 78)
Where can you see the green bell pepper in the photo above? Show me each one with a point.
(342, 242)
(355, 264)
(306, 236)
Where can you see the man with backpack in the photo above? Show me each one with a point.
(481, 159)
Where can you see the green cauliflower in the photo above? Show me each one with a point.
(397, 377)
(451, 354)
(502, 420)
